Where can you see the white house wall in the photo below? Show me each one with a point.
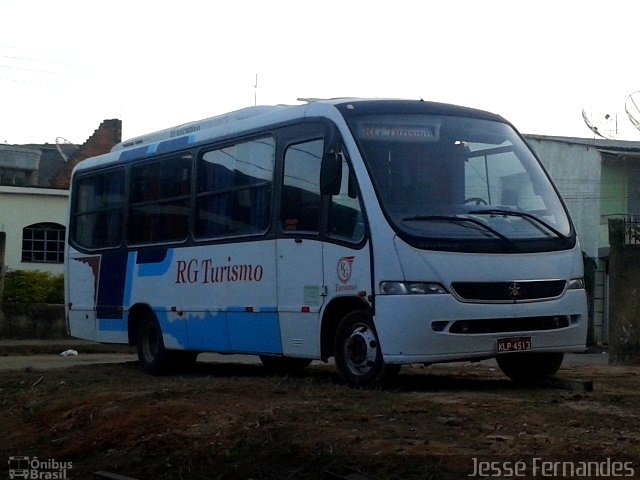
(21, 207)
(576, 171)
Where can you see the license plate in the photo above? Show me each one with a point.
(513, 344)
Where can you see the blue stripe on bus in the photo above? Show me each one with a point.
(174, 331)
(109, 325)
(254, 332)
(228, 331)
(162, 147)
(137, 153)
(154, 262)
(111, 285)
(133, 154)
(128, 281)
(232, 330)
(173, 144)
(208, 332)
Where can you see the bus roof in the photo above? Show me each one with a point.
(191, 127)
(250, 118)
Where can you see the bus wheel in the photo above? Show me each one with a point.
(153, 357)
(357, 350)
(529, 367)
(284, 364)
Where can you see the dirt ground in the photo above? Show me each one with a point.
(237, 421)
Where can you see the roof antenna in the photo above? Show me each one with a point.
(255, 92)
(63, 141)
(631, 106)
(604, 125)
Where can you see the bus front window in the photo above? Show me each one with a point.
(458, 179)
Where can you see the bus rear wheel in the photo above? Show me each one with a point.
(154, 359)
(529, 367)
(357, 351)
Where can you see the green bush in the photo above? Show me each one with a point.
(22, 286)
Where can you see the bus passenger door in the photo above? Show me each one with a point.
(346, 254)
(299, 249)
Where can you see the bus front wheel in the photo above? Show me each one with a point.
(357, 351)
(529, 367)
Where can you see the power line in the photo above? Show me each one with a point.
(36, 70)
(31, 82)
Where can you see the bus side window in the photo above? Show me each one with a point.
(159, 207)
(346, 221)
(234, 189)
(300, 205)
(97, 210)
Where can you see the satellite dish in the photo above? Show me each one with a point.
(631, 106)
(63, 141)
(605, 125)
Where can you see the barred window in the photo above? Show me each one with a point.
(43, 243)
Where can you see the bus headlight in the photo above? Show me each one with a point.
(575, 284)
(411, 288)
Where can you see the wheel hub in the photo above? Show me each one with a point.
(361, 349)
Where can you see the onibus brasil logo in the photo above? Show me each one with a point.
(32, 468)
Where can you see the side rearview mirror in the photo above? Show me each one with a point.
(353, 187)
(331, 173)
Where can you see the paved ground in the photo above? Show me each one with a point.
(45, 354)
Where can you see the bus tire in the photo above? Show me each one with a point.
(154, 359)
(284, 364)
(358, 354)
(529, 367)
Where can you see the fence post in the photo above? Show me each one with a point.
(3, 242)
(624, 296)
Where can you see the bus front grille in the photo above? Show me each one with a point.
(509, 325)
(508, 292)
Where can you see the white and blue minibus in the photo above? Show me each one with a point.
(374, 232)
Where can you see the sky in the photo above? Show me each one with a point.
(66, 65)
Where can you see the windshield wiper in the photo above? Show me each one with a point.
(452, 219)
(527, 216)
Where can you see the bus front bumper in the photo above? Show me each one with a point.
(435, 328)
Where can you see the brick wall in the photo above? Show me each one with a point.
(108, 134)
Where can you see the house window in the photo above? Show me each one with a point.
(43, 243)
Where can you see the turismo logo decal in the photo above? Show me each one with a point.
(345, 265)
(205, 271)
(344, 271)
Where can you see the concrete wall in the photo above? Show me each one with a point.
(20, 207)
(28, 321)
(576, 171)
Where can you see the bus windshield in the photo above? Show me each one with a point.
(448, 178)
